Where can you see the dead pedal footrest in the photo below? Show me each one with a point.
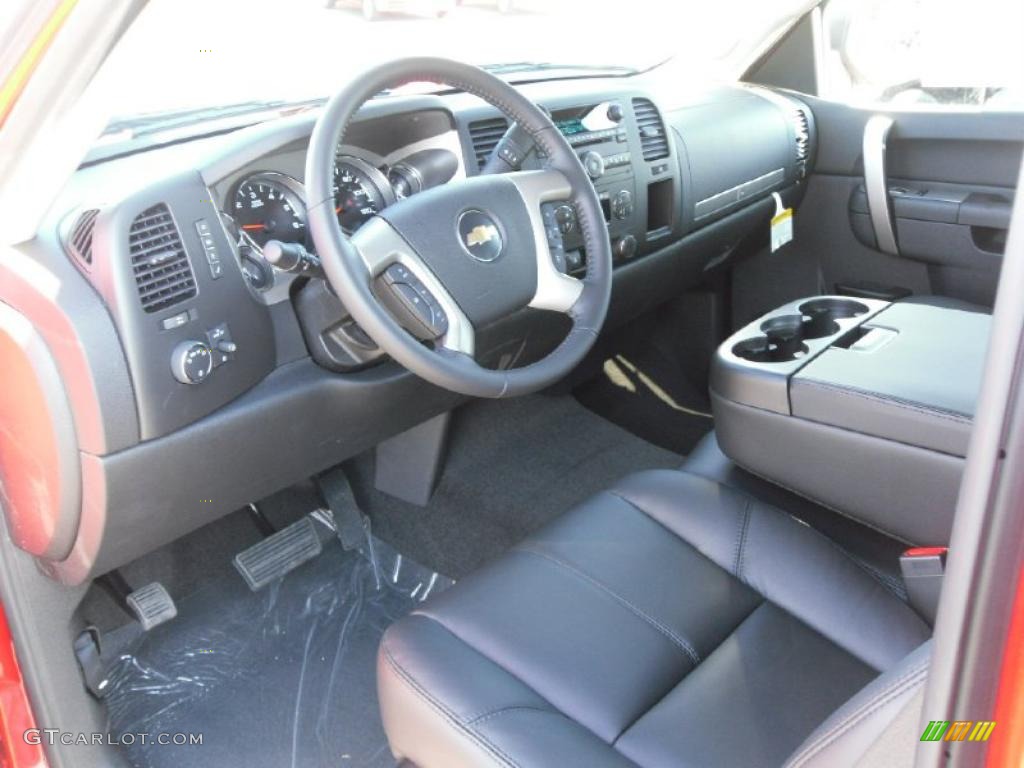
(276, 555)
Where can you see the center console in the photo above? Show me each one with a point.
(863, 406)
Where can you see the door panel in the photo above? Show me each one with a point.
(949, 181)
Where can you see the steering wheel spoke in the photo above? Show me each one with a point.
(555, 290)
(412, 293)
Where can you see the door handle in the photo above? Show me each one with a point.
(876, 134)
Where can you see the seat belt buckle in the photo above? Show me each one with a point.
(922, 569)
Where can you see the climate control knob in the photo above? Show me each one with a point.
(625, 247)
(191, 362)
(593, 163)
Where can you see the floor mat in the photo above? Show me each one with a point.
(512, 466)
(647, 394)
(281, 677)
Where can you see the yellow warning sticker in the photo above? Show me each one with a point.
(782, 228)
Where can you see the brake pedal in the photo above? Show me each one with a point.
(279, 554)
(152, 605)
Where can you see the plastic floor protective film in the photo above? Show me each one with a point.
(280, 677)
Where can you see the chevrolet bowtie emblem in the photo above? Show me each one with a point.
(480, 234)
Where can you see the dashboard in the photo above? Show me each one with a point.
(200, 376)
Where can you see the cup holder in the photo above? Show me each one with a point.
(784, 335)
(822, 315)
(782, 341)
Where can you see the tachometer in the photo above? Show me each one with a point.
(269, 206)
(360, 192)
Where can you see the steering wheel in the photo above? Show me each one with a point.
(422, 275)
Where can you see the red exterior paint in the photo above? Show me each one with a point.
(15, 713)
(1006, 749)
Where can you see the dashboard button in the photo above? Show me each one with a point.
(174, 321)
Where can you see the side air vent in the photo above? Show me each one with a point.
(802, 133)
(485, 135)
(79, 240)
(162, 270)
(653, 139)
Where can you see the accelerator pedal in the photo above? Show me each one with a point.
(152, 605)
(279, 554)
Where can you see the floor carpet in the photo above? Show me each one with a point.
(647, 394)
(512, 466)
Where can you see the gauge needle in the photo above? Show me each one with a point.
(254, 227)
(339, 209)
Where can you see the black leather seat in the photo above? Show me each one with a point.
(668, 621)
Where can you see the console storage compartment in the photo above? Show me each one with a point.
(861, 405)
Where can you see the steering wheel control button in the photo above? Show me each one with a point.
(192, 362)
(566, 218)
(416, 303)
(480, 236)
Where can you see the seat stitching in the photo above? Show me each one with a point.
(909, 405)
(483, 718)
(492, 749)
(883, 697)
(473, 716)
(668, 693)
(849, 555)
(742, 542)
(683, 644)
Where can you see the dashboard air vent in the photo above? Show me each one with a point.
(485, 135)
(162, 270)
(79, 240)
(653, 139)
(802, 134)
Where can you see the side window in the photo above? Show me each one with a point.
(924, 53)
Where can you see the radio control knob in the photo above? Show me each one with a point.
(191, 362)
(615, 113)
(593, 163)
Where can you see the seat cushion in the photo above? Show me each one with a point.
(876, 551)
(668, 621)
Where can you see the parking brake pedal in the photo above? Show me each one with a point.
(279, 554)
(350, 523)
(151, 605)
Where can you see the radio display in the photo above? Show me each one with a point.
(571, 126)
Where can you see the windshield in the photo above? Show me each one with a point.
(189, 54)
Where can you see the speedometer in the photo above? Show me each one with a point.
(360, 192)
(269, 206)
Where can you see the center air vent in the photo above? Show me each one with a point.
(802, 134)
(162, 270)
(653, 139)
(79, 239)
(485, 135)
